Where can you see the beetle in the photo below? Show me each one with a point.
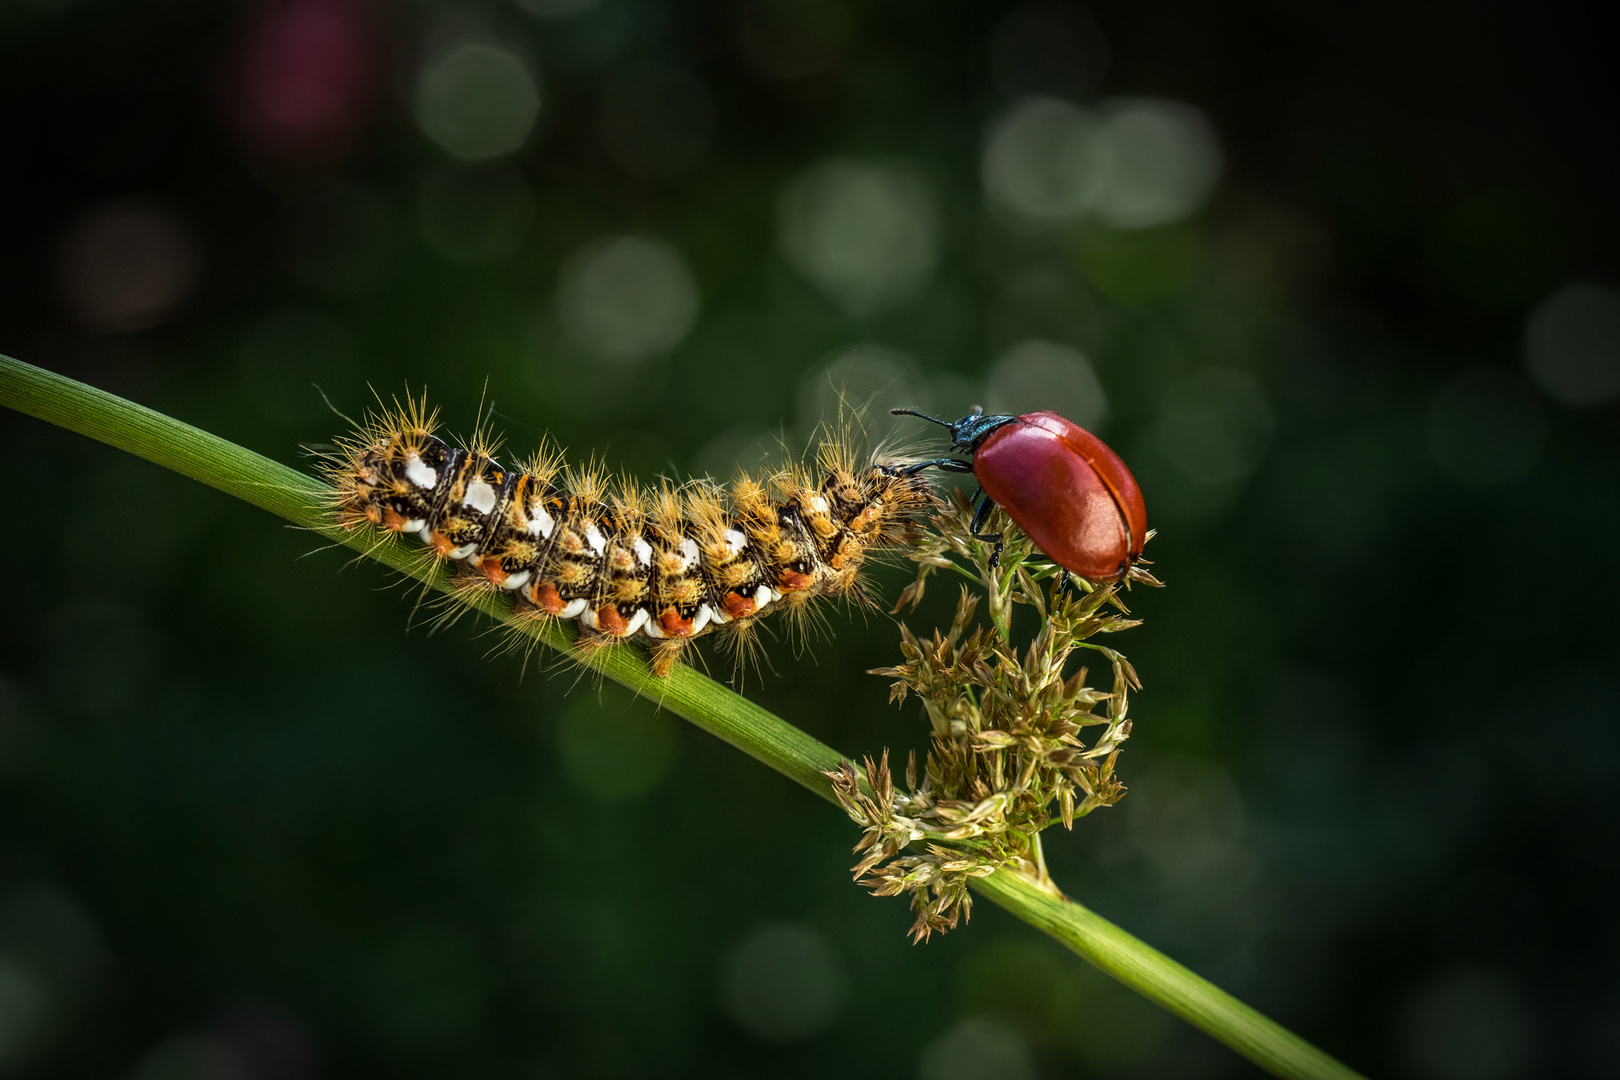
(1062, 485)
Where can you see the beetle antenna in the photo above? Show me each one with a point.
(925, 416)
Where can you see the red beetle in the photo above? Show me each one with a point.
(1061, 484)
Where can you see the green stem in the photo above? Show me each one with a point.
(758, 733)
(1160, 979)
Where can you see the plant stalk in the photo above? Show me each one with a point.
(762, 735)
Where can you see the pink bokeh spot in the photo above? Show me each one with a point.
(303, 76)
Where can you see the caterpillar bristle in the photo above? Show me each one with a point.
(666, 564)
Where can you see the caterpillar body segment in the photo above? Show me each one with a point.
(666, 564)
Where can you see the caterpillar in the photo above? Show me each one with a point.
(666, 564)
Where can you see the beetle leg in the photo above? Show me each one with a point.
(980, 516)
(943, 464)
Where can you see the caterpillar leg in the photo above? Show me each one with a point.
(665, 654)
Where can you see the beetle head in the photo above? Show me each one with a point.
(968, 432)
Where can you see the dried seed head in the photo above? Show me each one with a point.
(1007, 746)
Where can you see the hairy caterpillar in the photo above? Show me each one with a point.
(666, 564)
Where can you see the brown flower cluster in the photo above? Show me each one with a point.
(1017, 743)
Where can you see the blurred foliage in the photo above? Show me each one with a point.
(1338, 288)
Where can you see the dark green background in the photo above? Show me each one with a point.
(251, 825)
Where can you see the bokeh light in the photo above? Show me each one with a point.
(305, 75)
(783, 982)
(1035, 375)
(1130, 163)
(1039, 161)
(628, 298)
(1572, 344)
(128, 265)
(867, 234)
(1156, 162)
(477, 98)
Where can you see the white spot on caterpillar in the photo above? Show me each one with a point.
(716, 616)
(701, 619)
(689, 554)
(574, 609)
(463, 551)
(641, 618)
(776, 594)
(541, 524)
(764, 595)
(643, 553)
(480, 496)
(417, 525)
(517, 580)
(736, 542)
(594, 537)
(587, 615)
(653, 630)
(818, 504)
(423, 476)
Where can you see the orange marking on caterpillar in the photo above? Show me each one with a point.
(610, 622)
(671, 623)
(739, 606)
(790, 580)
(545, 596)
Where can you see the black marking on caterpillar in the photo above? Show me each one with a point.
(668, 564)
